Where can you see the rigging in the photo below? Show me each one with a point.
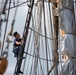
(25, 33)
(3, 56)
(5, 28)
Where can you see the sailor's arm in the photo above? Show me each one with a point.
(18, 43)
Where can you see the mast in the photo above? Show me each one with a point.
(56, 27)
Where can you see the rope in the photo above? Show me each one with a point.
(0, 25)
(51, 69)
(14, 2)
(35, 66)
(4, 7)
(40, 34)
(28, 1)
(15, 6)
(37, 57)
(22, 4)
(5, 28)
(45, 36)
(27, 50)
(41, 58)
(25, 35)
(66, 8)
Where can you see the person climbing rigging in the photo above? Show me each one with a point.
(17, 43)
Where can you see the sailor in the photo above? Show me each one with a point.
(17, 43)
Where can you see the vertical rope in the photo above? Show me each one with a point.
(25, 35)
(14, 3)
(6, 27)
(12, 26)
(0, 24)
(8, 40)
(3, 11)
(30, 36)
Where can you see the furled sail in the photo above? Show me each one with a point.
(69, 40)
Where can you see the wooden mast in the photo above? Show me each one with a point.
(55, 55)
(56, 27)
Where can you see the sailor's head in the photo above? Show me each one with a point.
(16, 35)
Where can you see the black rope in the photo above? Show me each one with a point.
(40, 57)
(40, 34)
(3, 11)
(15, 6)
(14, 2)
(27, 2)
(30, 36)
(38, 1)
(14, 17)
(37, 57)
(25, 34)
(0, 26)
(22, 4)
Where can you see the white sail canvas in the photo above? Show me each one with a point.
(67, 21)
(69, 41)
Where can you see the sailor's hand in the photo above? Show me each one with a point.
(23, 42)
